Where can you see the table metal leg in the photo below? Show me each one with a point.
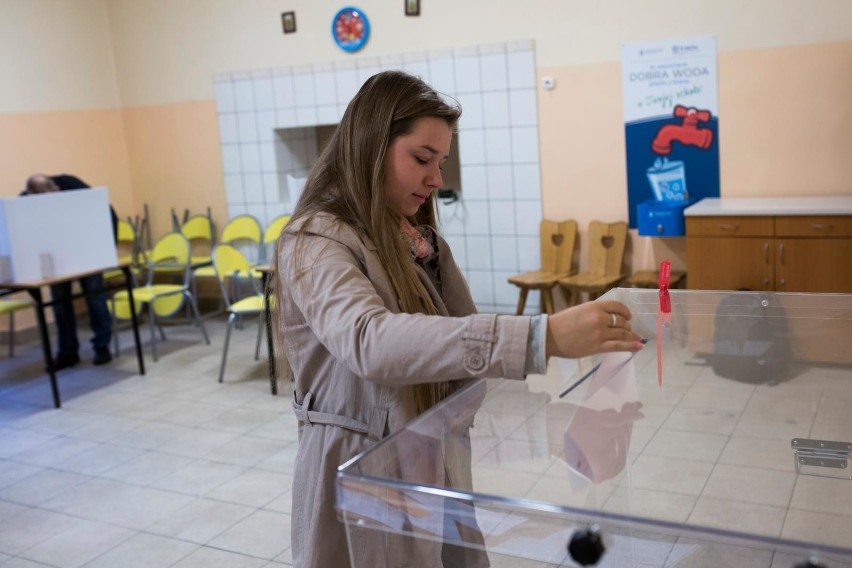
(128, 285)
(45, 343)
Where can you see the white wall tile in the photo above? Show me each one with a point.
(502, 217)
(525, 144)
(271, 191)
(500, 181)
(521, 70)
(477, 218)
(474, 182)
(467, 75)
(494, 69)
(504, 253)
(286, 118)
(264, 96)
(282, 87)
(234, 188)
(326, 90)
(327, 114)
(253, 187)
(228, 133)
(304, 93)
(522, 107)
(347, 85)
(471, 148)
(250, 157)
(442, 74)
(452, 218)
(529, 253)
(235, 209)
(231, 163)
(247, 126)
(505, 294)
(225, 100)
(498, 146)
(478, 253)
(459, 249)
(527, 181)
(418, 69)
(267, 122)
(268, 157)
(495, 109)
(258, 210)
(244, 95)
(481, 286)
(365, 73)
(472, 111)
(527, 217)
(306, 116)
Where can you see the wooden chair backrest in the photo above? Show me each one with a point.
(606, 247)
(557, 245)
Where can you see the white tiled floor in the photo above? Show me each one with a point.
(167, 470)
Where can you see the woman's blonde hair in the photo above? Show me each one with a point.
(348, 182)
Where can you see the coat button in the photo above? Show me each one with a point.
(475, 362)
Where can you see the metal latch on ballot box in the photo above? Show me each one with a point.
(824, 458)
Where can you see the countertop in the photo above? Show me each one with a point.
(732, 206)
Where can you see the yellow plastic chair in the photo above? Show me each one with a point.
(557, 253)
(199, 229)
(232, 268)
(606, 255)
(163, 300)
(242, 232)
(128, 250)
(271, 234)
(10, 307)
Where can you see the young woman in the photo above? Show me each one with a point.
(374, 315)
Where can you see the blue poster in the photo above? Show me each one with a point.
(671, 128)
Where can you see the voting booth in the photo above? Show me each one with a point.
(57, 234)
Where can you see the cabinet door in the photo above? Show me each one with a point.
(720, 263)
(813, 265)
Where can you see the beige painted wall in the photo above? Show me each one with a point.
(168, 51)
(56, 55)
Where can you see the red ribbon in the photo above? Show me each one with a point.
(663, 314)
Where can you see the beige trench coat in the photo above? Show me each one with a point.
(350, 350)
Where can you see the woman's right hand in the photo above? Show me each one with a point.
(589, 328)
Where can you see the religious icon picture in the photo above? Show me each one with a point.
(412, 7)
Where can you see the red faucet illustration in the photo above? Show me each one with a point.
(685, 133)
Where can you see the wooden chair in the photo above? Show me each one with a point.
(557, 252)
(606, 254)
(10, 307)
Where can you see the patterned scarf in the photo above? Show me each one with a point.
(419, 243)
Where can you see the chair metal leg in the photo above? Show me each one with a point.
(152, 324)
(260, 327)
(116, 348)
(12, 334)
(200, 323)
(231, 319)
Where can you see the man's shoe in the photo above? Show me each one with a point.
(102, 356)
(64, 360)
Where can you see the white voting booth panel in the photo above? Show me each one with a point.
(55, 234)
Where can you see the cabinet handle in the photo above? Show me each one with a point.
(822, 227)
(781, 256)
(766, 253)
(782, 282)
(728, 226)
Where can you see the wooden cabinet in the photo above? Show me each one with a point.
(780, 253)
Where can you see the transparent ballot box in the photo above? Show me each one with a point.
(725, 442)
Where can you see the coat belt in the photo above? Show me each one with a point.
(374, 430)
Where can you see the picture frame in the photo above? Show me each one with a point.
(288, 22)
(412, 7)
